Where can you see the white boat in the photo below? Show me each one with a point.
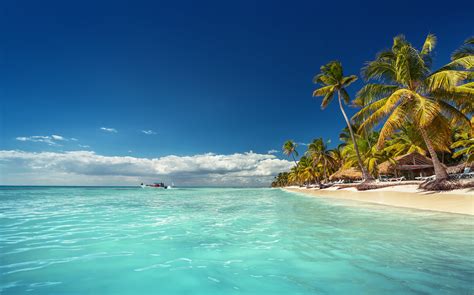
(156, 185)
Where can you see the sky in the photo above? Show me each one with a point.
(196, 93)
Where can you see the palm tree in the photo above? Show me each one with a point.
(464, 57)
(465, 146)
(410, 92)
(408, 140)
(333, 82)
(308, 172)
(345, 134)
(289, 149)
(320, 154)
(370, 154)
(336, 155)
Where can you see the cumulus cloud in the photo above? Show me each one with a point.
(48, 139)
(107, 129)
(87, 167)
(148, 132)
(272, 151)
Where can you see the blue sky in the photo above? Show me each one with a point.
(219, 77)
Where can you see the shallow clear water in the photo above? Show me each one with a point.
(225, 241)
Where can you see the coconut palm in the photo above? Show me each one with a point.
(370, 154)
(336, 155)
(293, 175)
(332, 82)
(465, 146)
(408, 140)
(309, 173)
(410, 92)
(289, 149)
(320, 154)
(280, 180)
(463, 58)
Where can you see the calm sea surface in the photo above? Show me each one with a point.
(225, 241)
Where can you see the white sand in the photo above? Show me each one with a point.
(456, 201)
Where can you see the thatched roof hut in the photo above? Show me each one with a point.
(410, 165)
(346, 174)
(459, 168)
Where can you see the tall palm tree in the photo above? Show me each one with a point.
(332, 81)
(289, 149)
(410, 92)
(320, 154)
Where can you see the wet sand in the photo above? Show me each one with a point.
(408, 196)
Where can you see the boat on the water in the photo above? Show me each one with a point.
(159, 185)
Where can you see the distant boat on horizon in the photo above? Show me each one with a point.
(159, 185)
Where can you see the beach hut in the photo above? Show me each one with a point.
(346, 174)
(410, 166)
(460, 168)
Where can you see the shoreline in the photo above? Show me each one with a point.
(408, 196)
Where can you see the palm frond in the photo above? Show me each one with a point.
(323, 90)
(446, 79)
(429, 44)
(327, 100)
(372, 92)
(465, 50)
(379, 70)
(424, 110)
(344, 95)
(464, 62)
(346, 81)
(384, 109)
(396, 119)
(454, 114)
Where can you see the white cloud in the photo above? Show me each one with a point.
(148, 132)
(57, 137)
(272, 151)
(51, 140)
(84, 146)
(111, 130)
(87, 167)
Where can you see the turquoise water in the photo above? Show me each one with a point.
(225, 241)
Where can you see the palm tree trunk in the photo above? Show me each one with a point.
(365, 174)
(325, 173)
(439, 169)
(296, 163)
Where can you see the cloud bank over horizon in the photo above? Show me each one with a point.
(89, 168)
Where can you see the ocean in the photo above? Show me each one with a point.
(114, 240)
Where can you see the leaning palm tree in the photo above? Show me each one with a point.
(410, 92)
(289, 149)
(332, 82)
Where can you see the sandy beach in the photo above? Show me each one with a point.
(457, 201)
